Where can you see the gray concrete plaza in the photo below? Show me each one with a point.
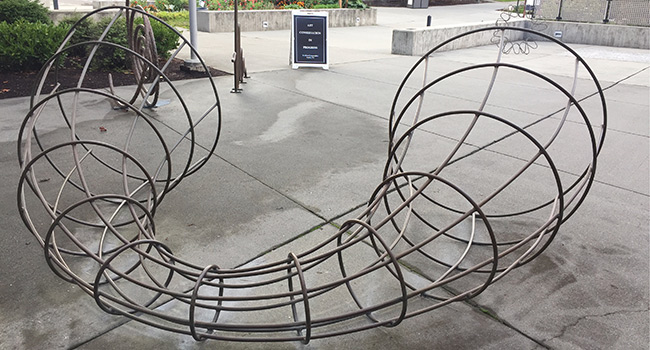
(301, 150)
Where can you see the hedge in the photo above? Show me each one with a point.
(29, 10)
(27, 46)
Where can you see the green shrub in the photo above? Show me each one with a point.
(357, 4)
(87, 30)
(263, 5)
(228, 5)
(175, 19)
(83, 31)
(27, 46)
(28, 10)
(322, 4)
(172, 5)
(106, 57)
(110, 57)
(295, 6)
(308, 4)
(166, 39)
(326, 6)
(144, 4)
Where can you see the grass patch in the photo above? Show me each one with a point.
(175, 19)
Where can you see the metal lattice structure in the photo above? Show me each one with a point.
(94, 216)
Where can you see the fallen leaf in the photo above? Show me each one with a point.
(102, 129)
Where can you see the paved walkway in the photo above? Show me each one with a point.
(302, 149)
(269, 50)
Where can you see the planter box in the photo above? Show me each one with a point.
(262, 20)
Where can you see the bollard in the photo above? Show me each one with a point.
(193, 64)
(236, 57)
(609, 5)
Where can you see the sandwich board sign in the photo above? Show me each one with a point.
(309, 39)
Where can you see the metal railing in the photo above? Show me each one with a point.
(627, 12)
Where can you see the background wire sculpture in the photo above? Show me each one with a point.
(95, 219)
(518, 45)
(140, 38)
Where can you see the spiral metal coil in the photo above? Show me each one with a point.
(515, 45)
(140, 38)
(431, 234)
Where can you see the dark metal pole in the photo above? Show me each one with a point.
(559, 12)
(532, 14)
(429, 21)
(609, 5)
(56, 4)
(237, 53)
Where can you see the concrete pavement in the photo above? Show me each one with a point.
(303, 149)
(268, 50)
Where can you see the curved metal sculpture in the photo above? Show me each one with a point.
(141, 39)
(95, 220)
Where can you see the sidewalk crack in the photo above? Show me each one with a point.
(567, 327)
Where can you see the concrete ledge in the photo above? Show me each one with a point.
(57, 15)
(418, 41)
(600, 34)
(262, 20)
(97, 4)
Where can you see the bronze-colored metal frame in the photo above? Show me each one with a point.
(130, 273)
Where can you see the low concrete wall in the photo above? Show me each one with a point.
(57, 15)
(262, 20)
(402, 3)
(600, 34)
(418, 41)
(97, 4)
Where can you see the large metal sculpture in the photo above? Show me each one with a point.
(91, 201)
